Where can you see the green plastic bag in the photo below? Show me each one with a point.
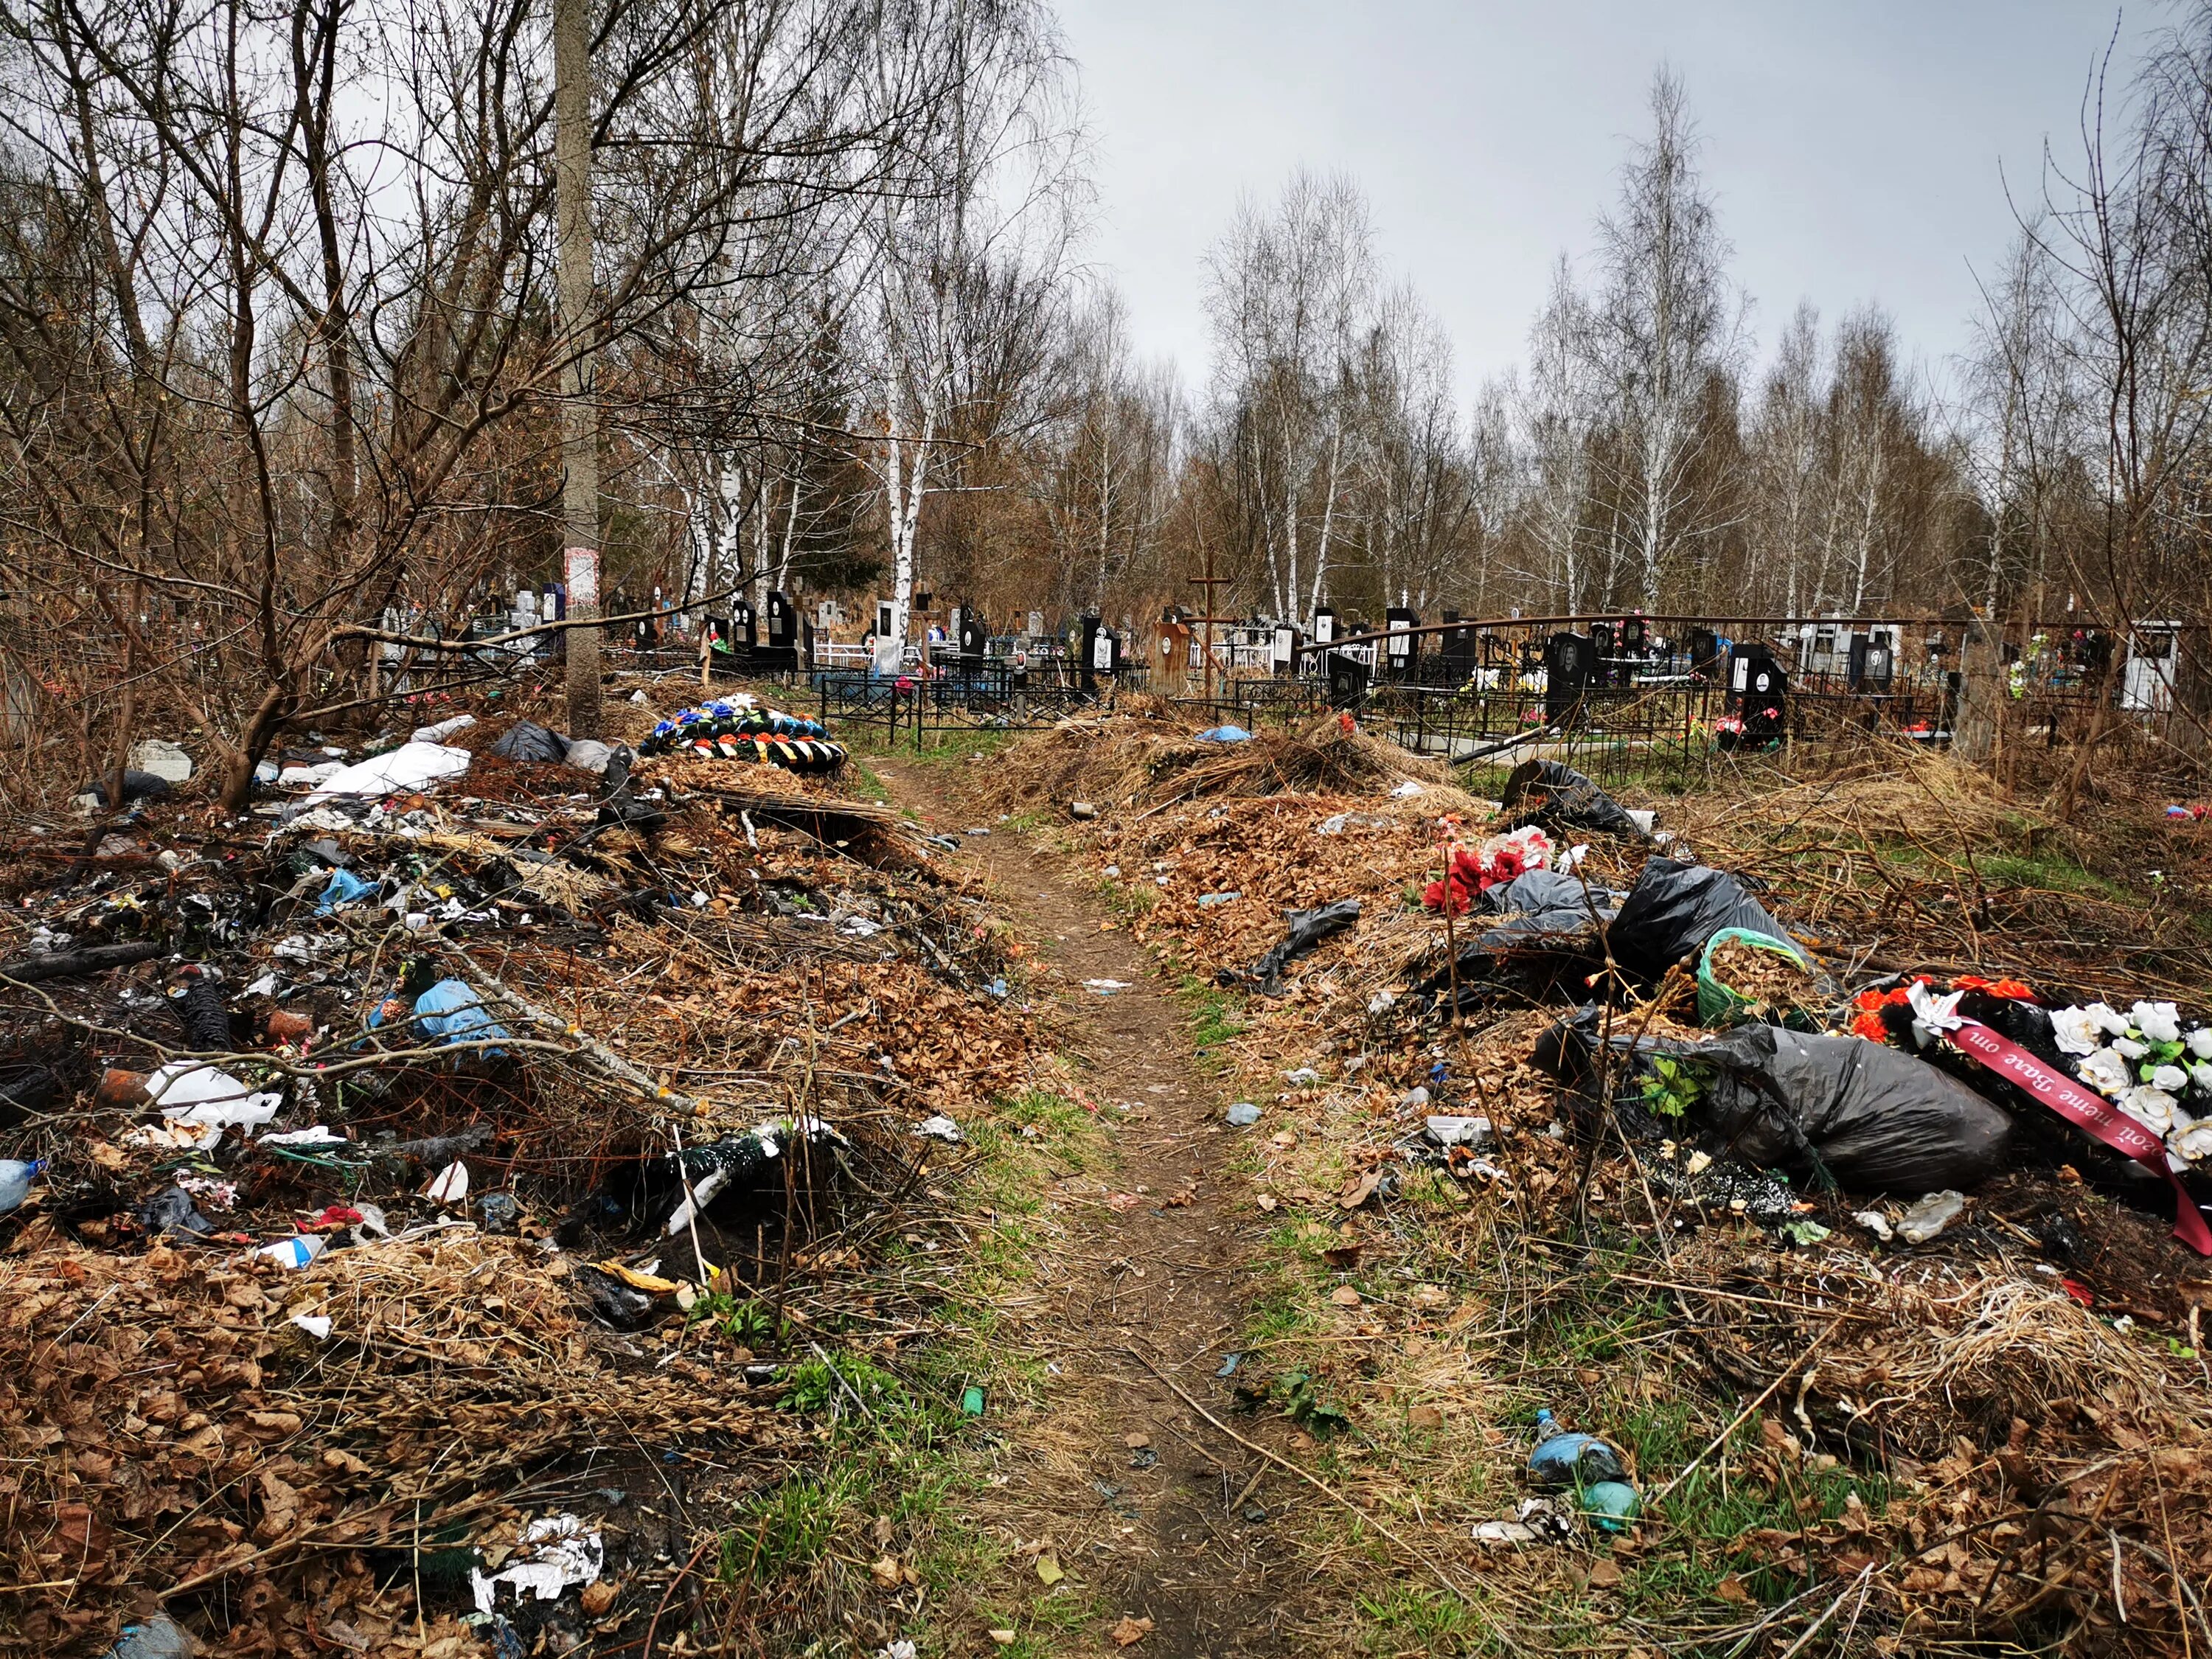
(1718, 1005)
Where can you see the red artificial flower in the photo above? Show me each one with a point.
(1867, 1001)
(1869, 1026)
(2015, 989)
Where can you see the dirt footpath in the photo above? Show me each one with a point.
(1136, 1496)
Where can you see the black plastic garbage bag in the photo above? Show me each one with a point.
(1862, 1115)
(737, 1182)
(1672, 909)
(1543, 792)
(1537, 933)
(136, 785)
(528, 741)
(172, 1210)
(1554, 899)
(1307, 929)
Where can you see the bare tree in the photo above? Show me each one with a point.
(1669, 321)
(1287, 294)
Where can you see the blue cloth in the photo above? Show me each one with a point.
(1225, 734)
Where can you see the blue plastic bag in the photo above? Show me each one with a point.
(449, 1012)
(1225, 734)
(344, 888)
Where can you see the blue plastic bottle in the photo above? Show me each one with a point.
(1565, 1459)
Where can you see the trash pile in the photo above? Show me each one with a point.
(1923, 1243)
(420, 1185)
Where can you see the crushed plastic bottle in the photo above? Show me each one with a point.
(1611, 1506)
(1563, 1458)
(158, 1637)
(15, 1178)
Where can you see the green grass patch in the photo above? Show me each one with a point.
(1212, 1013)
(896, 1442)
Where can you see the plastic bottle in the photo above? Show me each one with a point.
(158, 1637)
(15, 1178)
(1566, 1459)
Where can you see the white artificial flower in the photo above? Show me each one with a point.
(2158, 1021)
(2116, 1024)
(2129, 1048)
(2200, 1041)
(2200, 1075)
(2105, 1072)
(2194, 1141)
(2078, 1030)
(2172, 1078)
(2151, 1108)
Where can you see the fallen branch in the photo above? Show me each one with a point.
(93, 959)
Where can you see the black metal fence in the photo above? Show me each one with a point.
(963, 696)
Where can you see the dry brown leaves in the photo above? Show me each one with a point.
(169, 1422)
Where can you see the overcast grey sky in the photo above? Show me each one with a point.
(1855, 149)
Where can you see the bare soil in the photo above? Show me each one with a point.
(1135, 1494)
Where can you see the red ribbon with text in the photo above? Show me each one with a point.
(2087, 1111)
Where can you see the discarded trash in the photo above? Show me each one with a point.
(410, 767)
(940, 1128)
(1866, 1116)
(1225, 734)
(1405, 791)
(344, 888)
(1558, 797)
(1746, 974)
(1537, 1520)
(1673, 909)
(1105, 988)
(561, 1550)
(1875, 1222)
(1304, 1078)
(587, 755)
(1243, 1114)
(1473, 871)
(450, 1185)
(193, 1091)
(1564, 1458)
(15, 1178)
(1460, 1131)
(316, 1325)
(163, 759)
(1925, 1219)
(1307, 928)
(1208, 901)
(499, 1212)
(971, 1400)
(296, 1251)
(158, 1637)
(450, 1011)
(1611, 1506)
(315, 1135)
(527, 741)
(172, 1210)
(136, 785)
(444, 728)
(1082, 809)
